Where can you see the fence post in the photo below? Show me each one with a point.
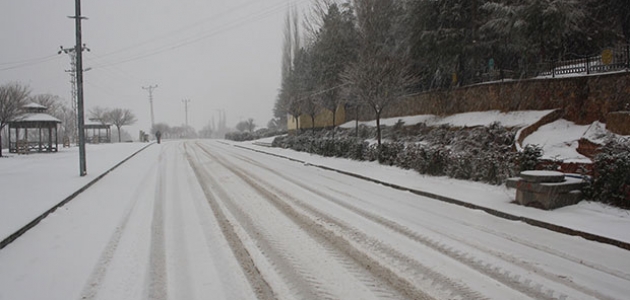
(588, 65)
(553, 69)
(628, 57)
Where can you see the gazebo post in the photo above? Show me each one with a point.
(40, 138)
(9, 140)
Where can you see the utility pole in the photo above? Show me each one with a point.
(73, 85)
(150, 89)
(78, 49)
(186, 101)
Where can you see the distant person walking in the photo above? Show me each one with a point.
(158, 136)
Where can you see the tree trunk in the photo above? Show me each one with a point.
(378, 128)
(356, 121)
(1, 142)
(118, 127)
(333, 127)
(313, 123)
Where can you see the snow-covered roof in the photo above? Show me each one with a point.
(96, 123)
(37, 117)
(34, 105)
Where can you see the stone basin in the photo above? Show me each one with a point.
(542, 176)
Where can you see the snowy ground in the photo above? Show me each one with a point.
(32, 184)
(199, 219)
(485, 118)
(558, 140)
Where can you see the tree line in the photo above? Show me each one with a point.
(13, 97)
(370, 53)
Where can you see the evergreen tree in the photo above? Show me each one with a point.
(334, 49)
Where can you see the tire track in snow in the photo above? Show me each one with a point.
(298, 279)
(176, 235)
(515, 281)
(157, 280)
(95, 280)
(363, 259)
(253, 275)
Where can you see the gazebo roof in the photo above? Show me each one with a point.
(96, 124)
(37, 117)
(34, 105)
(34, 120)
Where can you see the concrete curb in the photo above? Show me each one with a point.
(10, 239)
(497, 213)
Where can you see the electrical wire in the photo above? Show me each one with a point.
(269, 11)
(185, 28)
(27, 62)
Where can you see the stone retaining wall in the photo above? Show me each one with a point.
(619, 122)
(584, 99)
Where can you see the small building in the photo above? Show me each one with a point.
(97, 132)
(35, 130)
(324, 119)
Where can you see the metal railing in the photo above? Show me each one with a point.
(611, 60)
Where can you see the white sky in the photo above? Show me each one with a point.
(220, 54)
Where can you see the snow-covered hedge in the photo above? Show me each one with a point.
(611, 180)
(250, 136)
(479, 154)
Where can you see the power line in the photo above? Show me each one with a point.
(27, 63)
(187, 41)
(210, 18)
(223, 28)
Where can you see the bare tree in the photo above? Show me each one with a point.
(381, 75)
(12, 97)
(206, 131)
(288, 98)
(100, 114)
(52, 103)
(120, 117)
(314, 18)
(247, 125)
(163, 128)
(250, 125)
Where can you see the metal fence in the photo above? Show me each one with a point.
(610, 60)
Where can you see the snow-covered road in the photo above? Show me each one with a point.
(201, 219)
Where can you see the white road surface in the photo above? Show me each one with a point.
(205, 220)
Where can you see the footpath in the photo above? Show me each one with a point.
(35, 185)
(587, 219)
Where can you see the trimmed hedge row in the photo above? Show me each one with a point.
(250, 136)
(479, 154)
(611, 179)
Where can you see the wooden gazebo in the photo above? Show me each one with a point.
(97, 132)
(35, 130)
